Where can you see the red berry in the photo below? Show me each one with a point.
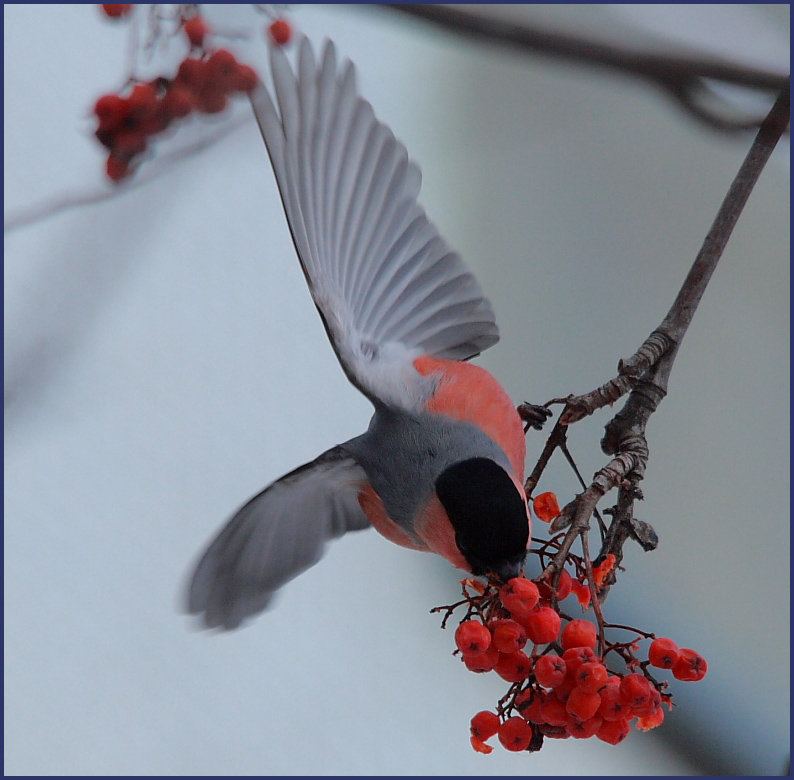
(579, 633)
(613, 731)
(690, 666)
(128, 143)
(563, 690)
(116, 10)
(280, 31)
(195, 29)
(529, 703)
(156, 122)
(612, 706)
(508, 636)
(245, 79)
(513, 667)
(515, 733)
(480, 746)
(563, 587)
(591, 676)
(110, 111)
(472, 637)
(221, 69)
(574, 657)
(519, 596)
(584, 729)
(546, 507)
(651, 707)
(554, 712)
(663, 653)
(211, 100)
(191, 73)
(651, 721)
(582, 593)
(142, 101)
(484, 724)
(583, 704)
(116, 169)
(635, 690)
(550, 670)
(178, 101)
(482, 662)
(543, 625)
(603, 569)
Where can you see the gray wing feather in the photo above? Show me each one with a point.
(274, 537)
(378, 270)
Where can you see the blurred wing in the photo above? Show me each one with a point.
(274, 537)
(387, 286)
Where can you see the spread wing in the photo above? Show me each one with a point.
(278, 534)
(387, 286)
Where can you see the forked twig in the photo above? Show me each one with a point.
(645, 377)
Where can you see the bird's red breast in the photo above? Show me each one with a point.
(469, 393)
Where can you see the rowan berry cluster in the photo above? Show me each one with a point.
(560, 686)
(204, 82)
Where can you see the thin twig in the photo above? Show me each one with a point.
(594, 602)
(556, 439)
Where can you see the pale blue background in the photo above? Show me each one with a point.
(163, 362)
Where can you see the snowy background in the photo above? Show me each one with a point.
(163, 362)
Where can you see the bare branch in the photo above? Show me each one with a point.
(49, 207)
(680, 315)
(653, 361)
(647, 372)
(681, 77)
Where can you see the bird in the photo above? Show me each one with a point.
(440, 467)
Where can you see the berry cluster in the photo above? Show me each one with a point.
(205, 80)
(561, 687)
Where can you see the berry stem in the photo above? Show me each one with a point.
(594, 603)
(643, 634)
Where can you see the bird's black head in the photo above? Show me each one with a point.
(488, 515)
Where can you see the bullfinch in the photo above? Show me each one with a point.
(441, 466)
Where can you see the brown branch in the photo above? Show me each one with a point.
(647, 374)
(681, 77)
(680, 315)
(629, 373)
(653, 361)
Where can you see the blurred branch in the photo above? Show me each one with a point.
(48, 207)
(684, 78)
(647, 372)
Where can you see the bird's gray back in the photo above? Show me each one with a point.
(403, 454)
